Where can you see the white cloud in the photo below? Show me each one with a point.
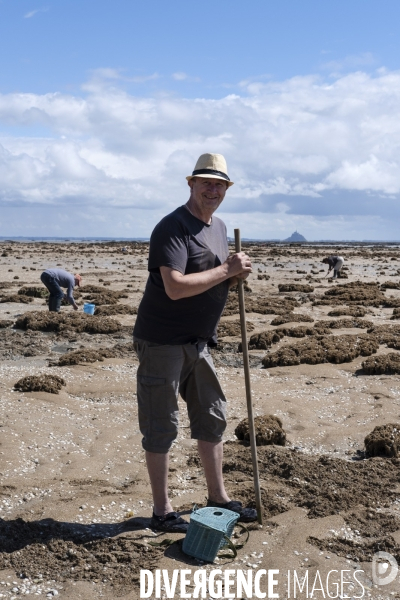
(101, 79)
(180, 76)
(349, 63)
(322, 148)
(144, 78)
(32, 13)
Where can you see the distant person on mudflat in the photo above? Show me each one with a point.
(54, 280)
(190, 273)
(335, 263)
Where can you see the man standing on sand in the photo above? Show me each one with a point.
(54, 280)
(335, 263)
(190, 273)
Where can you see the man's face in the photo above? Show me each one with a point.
(207, 193)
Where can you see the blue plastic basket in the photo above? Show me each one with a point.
(209, 530)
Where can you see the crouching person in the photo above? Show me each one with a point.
(335, 263)
(54, 280)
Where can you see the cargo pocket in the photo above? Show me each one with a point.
(158, 413)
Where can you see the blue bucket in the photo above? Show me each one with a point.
(89, 308)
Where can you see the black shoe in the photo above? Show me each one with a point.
(171, 523)
(246, 514)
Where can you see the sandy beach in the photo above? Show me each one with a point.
(74, 496)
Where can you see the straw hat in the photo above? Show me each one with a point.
(212, 166)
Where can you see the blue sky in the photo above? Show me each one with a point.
(105, 107)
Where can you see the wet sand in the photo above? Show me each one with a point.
(74, 496)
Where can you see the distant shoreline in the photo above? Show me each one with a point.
(67, 239)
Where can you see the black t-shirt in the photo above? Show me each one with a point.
(186, 244)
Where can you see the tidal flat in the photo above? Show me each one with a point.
(75, 502)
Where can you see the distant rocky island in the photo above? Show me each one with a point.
(296, 237)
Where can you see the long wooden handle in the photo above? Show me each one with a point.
(246, 366)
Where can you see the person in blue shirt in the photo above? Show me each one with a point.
(54, 280)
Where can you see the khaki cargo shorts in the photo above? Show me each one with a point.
(166, 371)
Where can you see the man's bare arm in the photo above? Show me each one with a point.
(179, 286)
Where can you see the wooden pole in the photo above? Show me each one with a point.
(246, 366)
